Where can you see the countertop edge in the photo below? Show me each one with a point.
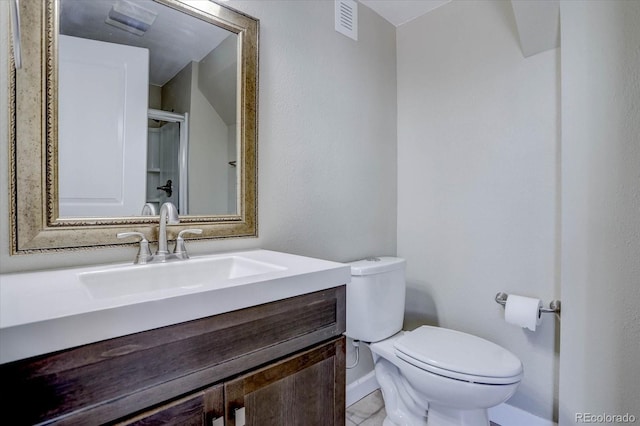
(41, 337)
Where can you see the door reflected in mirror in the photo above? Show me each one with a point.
(147, 111)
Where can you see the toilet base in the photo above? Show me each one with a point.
(441, 416)
(444, 416)
(401, 407)
(442, 419)
(404, 409)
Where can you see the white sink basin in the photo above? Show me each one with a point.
(214, 273)
(46, 311)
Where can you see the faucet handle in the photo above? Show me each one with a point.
(144, 252)
(181, 250)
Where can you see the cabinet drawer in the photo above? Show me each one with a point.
(196, 409)
(104, 381)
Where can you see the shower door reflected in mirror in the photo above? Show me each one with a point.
(167, 161)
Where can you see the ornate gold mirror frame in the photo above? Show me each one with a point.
(35, 223)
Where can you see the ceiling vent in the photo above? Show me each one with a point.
(347, 18)
(130, 17)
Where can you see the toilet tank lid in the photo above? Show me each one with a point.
(376, 265)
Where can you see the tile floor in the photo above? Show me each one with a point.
(369, 411)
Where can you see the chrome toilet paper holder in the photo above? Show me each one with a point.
(554, 305)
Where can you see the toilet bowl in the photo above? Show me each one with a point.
(429, 376)
(456, 389)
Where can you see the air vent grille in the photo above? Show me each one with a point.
(347, 18)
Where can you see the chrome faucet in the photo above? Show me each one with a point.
(144, 255)
(168, 216)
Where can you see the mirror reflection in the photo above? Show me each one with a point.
(147, 111)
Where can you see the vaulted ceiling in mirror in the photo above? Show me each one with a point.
(174, 38)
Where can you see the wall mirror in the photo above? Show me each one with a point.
(121, 105)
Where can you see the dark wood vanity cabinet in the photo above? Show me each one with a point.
(201, 408)
(304, 390)
(281, 363)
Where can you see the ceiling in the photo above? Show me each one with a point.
(537, 21)
(174, 39)
(185, 34)
(400, 12)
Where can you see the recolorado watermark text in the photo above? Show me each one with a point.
(605, 418)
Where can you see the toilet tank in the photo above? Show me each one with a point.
(375, 298)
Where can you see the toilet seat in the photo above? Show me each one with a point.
(458, 355)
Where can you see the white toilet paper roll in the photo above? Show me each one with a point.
(523, 311)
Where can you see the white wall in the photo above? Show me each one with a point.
(232, 175)
(218, 80)
(327, 168)
(600, 358)
(176, 93)
(208, 145)
(327, 151)
(477, 181)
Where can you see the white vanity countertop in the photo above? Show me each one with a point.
(46, 311)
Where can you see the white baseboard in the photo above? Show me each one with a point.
(503, 414)
(507, 415)
(361, 387)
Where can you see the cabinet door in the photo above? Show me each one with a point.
(201, 408)
(306, 389)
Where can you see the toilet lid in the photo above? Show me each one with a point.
(456, 354)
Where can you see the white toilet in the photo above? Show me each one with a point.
(429, 376)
